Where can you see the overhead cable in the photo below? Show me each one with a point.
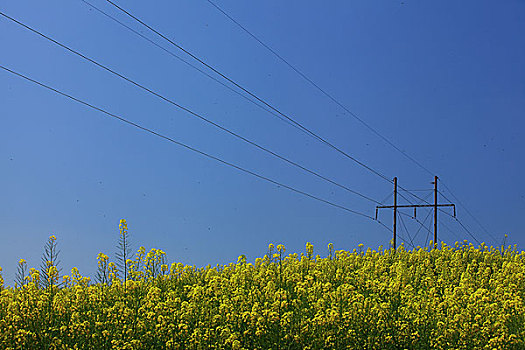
(185, 109)
(323, 91)
(337, 102)
(171, 53)
(311, 133)
(193, 149)
(406, 229)
(468, 212)
(422, 225)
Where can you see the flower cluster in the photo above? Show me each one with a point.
(460, 297)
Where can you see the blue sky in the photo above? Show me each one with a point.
(444, 81)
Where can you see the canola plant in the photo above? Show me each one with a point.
(460, 297)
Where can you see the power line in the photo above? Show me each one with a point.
(390, 195)
(451, 231)
(323, 91)
(468, 212)
(407, 242)
(333, 99)
(385, 226)
(422, 200)
(406, 230)
(425, 199)
(171, 53)
(200, 116)
(467, 230)
(413, 195)
(416, 219)
(319, 138)
(267, 104)
(422, 225)
(140, 127)
(429, 232)
(455, 218)
(311, 133)
(397, 206)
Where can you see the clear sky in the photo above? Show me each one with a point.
(443, 80)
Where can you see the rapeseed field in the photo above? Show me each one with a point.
(453, 297)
